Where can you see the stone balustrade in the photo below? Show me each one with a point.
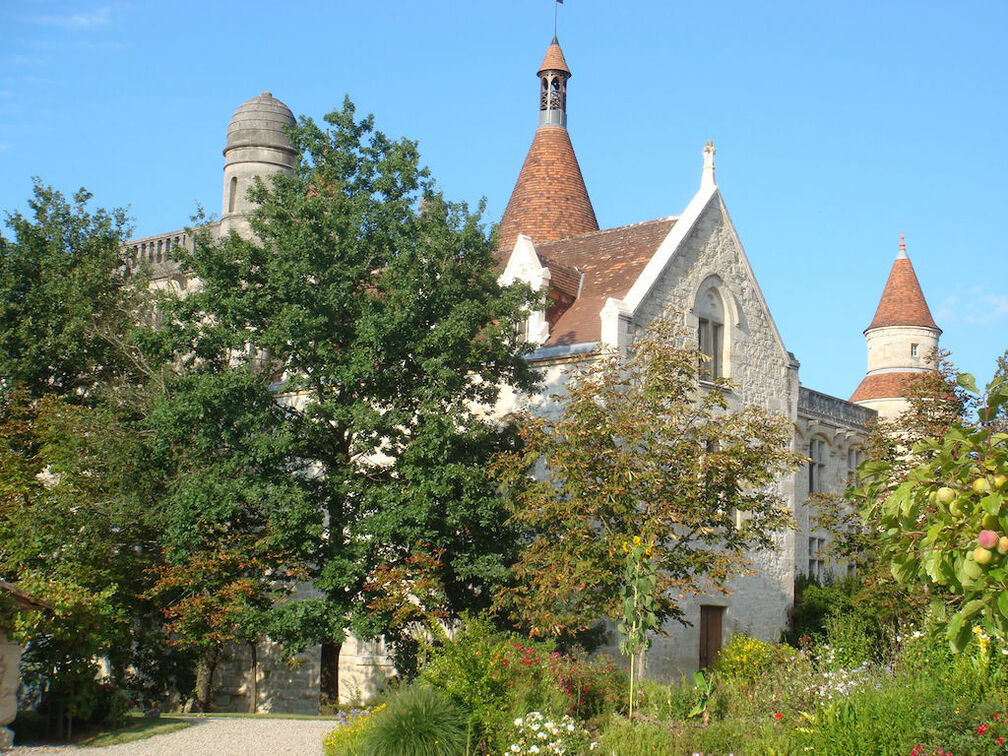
(156, 250)
(813, 404)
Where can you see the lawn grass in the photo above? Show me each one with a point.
(137, 728)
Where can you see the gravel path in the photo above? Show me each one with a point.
(215, 736)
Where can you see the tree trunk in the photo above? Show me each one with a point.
(254, 702)
(205, 669)
(329, 675)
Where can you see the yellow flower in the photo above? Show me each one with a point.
(626, 548)
(637, 540)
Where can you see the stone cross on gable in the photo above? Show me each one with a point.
(708, 164)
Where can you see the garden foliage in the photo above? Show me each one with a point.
(640, 449)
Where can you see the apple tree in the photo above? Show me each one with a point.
(944, 524)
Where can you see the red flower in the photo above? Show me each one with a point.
(982, 729)
(778, 716)
(999, 741)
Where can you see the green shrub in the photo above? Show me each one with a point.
(665, 702)
(870, 722)
(847, 644)
(417, 721)
(623, 738)
(498, 677)
(816, 602)
(749, 658)
(592, 687)
(493, 676)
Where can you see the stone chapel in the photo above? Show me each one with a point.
(603, 287)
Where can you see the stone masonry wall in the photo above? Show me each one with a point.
(761, 369)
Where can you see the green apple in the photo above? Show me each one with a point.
(981, 486)
(982, 556)
(1003, 545)
(1000, 480)
(946, 495)
(954, 509)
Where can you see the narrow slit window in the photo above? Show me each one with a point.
(232, 194)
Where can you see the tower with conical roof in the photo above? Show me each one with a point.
(901, 339)
(549, 201)
(257, 145)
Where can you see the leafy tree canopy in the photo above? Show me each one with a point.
(65, 298)
(943, 523)
(369, 306)
(641, 453)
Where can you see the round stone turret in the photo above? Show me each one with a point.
(901, 340)
(257, 145)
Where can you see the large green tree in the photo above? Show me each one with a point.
(641, 456)
(76, 523)
(67, 300)
(373, 305)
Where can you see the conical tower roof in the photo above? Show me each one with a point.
(902, 302)
(550, 200)
(554, 59)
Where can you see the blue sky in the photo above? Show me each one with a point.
(837, 126)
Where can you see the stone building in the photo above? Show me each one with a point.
(603, 287)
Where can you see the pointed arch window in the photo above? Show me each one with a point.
(232, 194)
(710, 311)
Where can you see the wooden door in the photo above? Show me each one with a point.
(711, 618)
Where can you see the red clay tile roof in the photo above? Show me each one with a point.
(902, 302)
(549, 201)
(610, 262)
(883, 386)
(554, 60)
(562, 277)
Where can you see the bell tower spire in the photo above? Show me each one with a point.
(549, 200)
(553, 76)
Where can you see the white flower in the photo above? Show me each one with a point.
(534, 749)
(518, 722)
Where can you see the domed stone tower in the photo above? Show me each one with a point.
(901, 339)
(257, 145)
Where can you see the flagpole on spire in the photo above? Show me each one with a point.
(556, 10)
